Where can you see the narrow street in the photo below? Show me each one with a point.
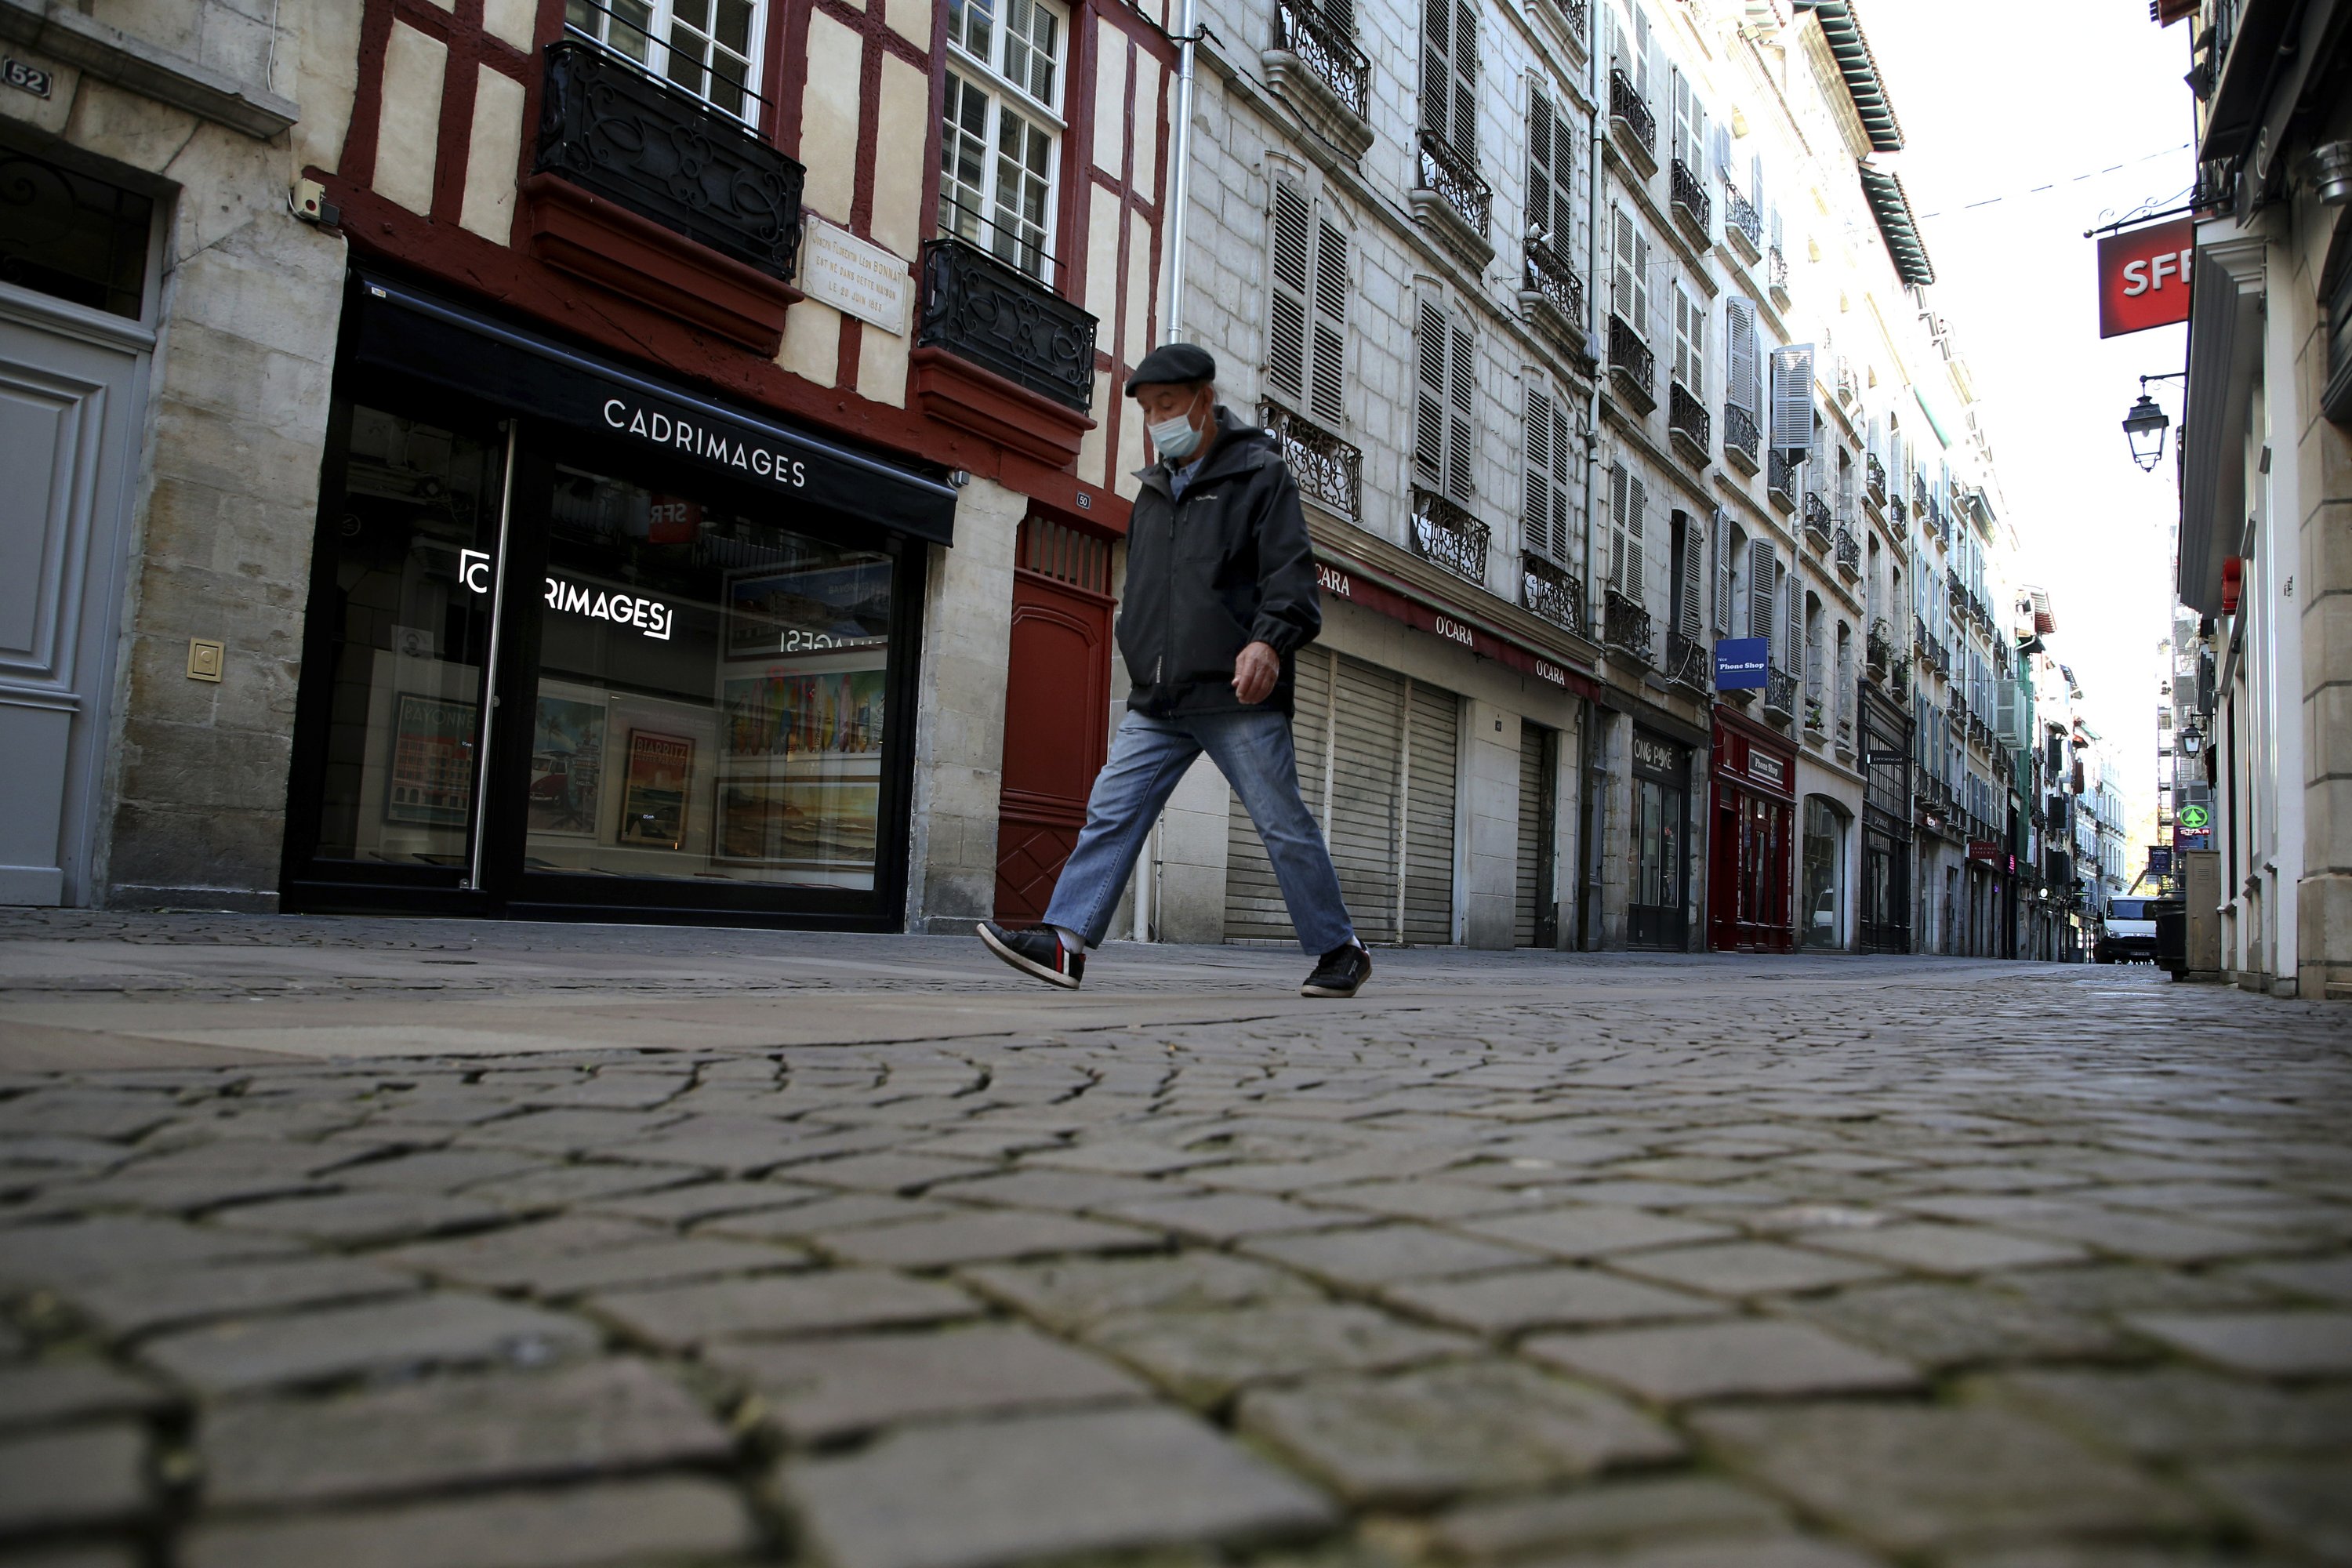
(391, 1242)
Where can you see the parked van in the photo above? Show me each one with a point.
(2130, 933)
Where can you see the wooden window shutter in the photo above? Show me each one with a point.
(1620, 484)
(1721, 149)
(1286, 354)
(1540, 136)
(1648, 64)
(1637, 503)
(1465, 79)
(1795, 607)
(1680, 126)
(1652, 296)
(1792, 398)
(1327, 388)
(1761, 564)
(1563, 456)
(1625, 269)
(1461, 466)
(1690, 622)
(1437, 68)
(1428, 414)
(1726, 550)
(1535, 519)
(1739, 354)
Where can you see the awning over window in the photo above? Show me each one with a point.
(1859, 68)
(1883, 190)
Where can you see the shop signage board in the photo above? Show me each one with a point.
(2196, 817)
(1344, 580)
(2144, 276)
(1740, 663)
(854, 277)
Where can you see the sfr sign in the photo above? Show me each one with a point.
(2144, 276)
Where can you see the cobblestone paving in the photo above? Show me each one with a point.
(1666, 1266)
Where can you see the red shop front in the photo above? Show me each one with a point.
(1751, 853)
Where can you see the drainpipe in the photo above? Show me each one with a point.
(1180, 178)
(1592, 819)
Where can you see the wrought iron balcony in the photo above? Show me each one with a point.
(1445, 170)
(1781, 479)
(1444, 535)
(1816, 520)
(1574, 14)
(1687, 662)
(1555, 595)
(1955, 591)
(1849, 555)
(609, 127)
(1776, 274)
(1958, 708)
(1630, 116)
(1898, 680)
(1873, 478)
(1326, 468)
(1692, 207)
(1740, 437)
(1780, 692)
(1303, 30)
(1689, 424)
(1878, 646)
(1743, 226)
(1001, 320)
(1547, 273)
(1624, 627)
(1631, 364)
(1896, 513)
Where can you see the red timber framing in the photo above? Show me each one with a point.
(694, 311)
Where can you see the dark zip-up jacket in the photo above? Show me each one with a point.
(1228, 565)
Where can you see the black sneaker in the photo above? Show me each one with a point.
(1038, 951)
(1339, 973)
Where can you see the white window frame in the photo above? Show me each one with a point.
(980, 216)
(646, 32)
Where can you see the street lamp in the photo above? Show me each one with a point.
(2191, 742)
(2144, 426)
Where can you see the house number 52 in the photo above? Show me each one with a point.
(25, 78)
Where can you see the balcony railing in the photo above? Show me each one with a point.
(1691, 202)
(1740, 436)
(1624, 625)
(1632, 363)
(1327, 469)
(1780, 692)
(1628, 110)
(1555, 595)
(1873, 478)
(1686, 662)
(1780, 479)
(1688, 421)
(1001, 320)
(1955, 592)
(609, 127)
(1878, 646)
(1849, 554)
(1445, 535)
(1816, 520)
(1896, 513)
(1743, 226)
(1547, 273)
(1776, 273)
(1445, 170)
(1327, 51)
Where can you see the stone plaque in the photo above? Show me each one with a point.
(855, 276)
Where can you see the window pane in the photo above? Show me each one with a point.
(963, 159)
(710, 699)
(66, 235)
(412, 565)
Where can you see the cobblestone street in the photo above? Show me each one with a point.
(362, 1243)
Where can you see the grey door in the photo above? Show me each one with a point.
(70, 384)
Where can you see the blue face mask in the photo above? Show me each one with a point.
(1174, 440)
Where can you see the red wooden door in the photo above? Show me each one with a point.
(1056, 709)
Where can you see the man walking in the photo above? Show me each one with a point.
(1220, 597)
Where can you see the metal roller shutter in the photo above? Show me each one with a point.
(1253, 906)
(1432, 732)
(1528, 888)
(1368, 740)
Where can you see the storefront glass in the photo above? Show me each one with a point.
(1657, 916)
(405, 579)
(1824, 878)
(712, 694)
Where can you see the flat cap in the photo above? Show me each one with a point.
(1173, 362)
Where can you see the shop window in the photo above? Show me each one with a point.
(710, 47)
(710, 697)
(71, 237)
(1825, 875)
(1000, 139)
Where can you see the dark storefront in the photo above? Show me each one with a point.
(694, 628)
(1657, 909)
(1884, 917)
(1752, 849)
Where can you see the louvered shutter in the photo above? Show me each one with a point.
(1725, 547)
(1460, 457)
(1762, 568)
(1429, 420)
(1327, 382)
(1792, 606)
(1437, 68)
(1653, 59)
(1465, 127)
(1739, 354)
(1792, 398)
(1637, 503)
(1285, 357)
(1536, 519)
(1655, 327)
(1625, 269)
(1721, 149)
(1619, 484)
(1779, 244)
(1539, 137)
(1681, 123)
(1689, 623)
(1817, 452)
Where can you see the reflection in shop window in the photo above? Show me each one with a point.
(1824, 882)
(712, 694)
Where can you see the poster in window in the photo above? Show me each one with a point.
(431, 775)
(830, 822)
(815, 609)
(567, 766)
(653, 806)
(781, 715)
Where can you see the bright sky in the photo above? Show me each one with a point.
(1996, 100)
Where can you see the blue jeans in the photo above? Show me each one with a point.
(1148, 757)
